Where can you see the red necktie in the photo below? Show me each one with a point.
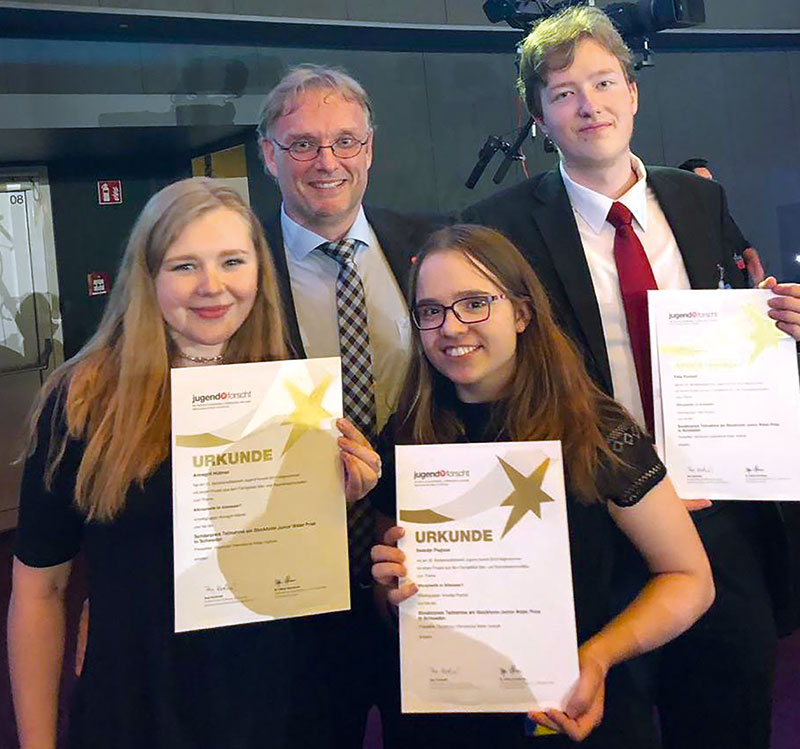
(635, 278)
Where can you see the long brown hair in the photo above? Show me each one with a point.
(550, 397)
(115, 392)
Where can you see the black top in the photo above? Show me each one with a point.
(143, 685)
(593, 535)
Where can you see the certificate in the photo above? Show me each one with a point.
(492, 628)
(726, 395)
(258, 507)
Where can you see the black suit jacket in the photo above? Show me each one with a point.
(537, 216)
(400, 237)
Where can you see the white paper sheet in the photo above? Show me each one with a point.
(727, 395)
(259, 517)
(492, 628)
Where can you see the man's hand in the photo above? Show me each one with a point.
(752, 262)
(362, 465)
(784, 306)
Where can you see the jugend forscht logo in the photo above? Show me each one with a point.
(690, 317)
(224, 396)
(441, 476)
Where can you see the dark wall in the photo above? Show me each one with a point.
(719, 13)
(265, 198)
(741, 109)
(91, 238)
(752, 14)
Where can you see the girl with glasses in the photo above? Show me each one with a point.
(490, 363)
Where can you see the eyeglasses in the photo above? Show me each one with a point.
(305, 149)
(470, 309)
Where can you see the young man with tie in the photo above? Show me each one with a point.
(600, 230)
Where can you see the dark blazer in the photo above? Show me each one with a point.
(400, 237)
(537, 216)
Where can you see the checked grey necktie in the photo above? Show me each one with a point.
(358, 396)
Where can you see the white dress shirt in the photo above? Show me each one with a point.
(597, 235)
(313, 280)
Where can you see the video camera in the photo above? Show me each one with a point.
(632, 19)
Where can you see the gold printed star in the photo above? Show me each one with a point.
(308, 411)
(762, 332)
(527, 494)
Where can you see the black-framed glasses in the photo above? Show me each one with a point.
(305, 149)
(470, 309)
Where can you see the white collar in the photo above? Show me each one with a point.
(594, 206)
(299, 240)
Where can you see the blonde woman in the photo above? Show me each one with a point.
(196, 287)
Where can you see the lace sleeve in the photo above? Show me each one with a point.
(625, 484)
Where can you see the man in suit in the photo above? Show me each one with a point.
(713, 684)
(342, 269)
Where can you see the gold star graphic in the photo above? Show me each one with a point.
(308, 411)
(527, 494)
(762, 332)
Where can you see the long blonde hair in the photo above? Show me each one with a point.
(551, 397)
(115, 392)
